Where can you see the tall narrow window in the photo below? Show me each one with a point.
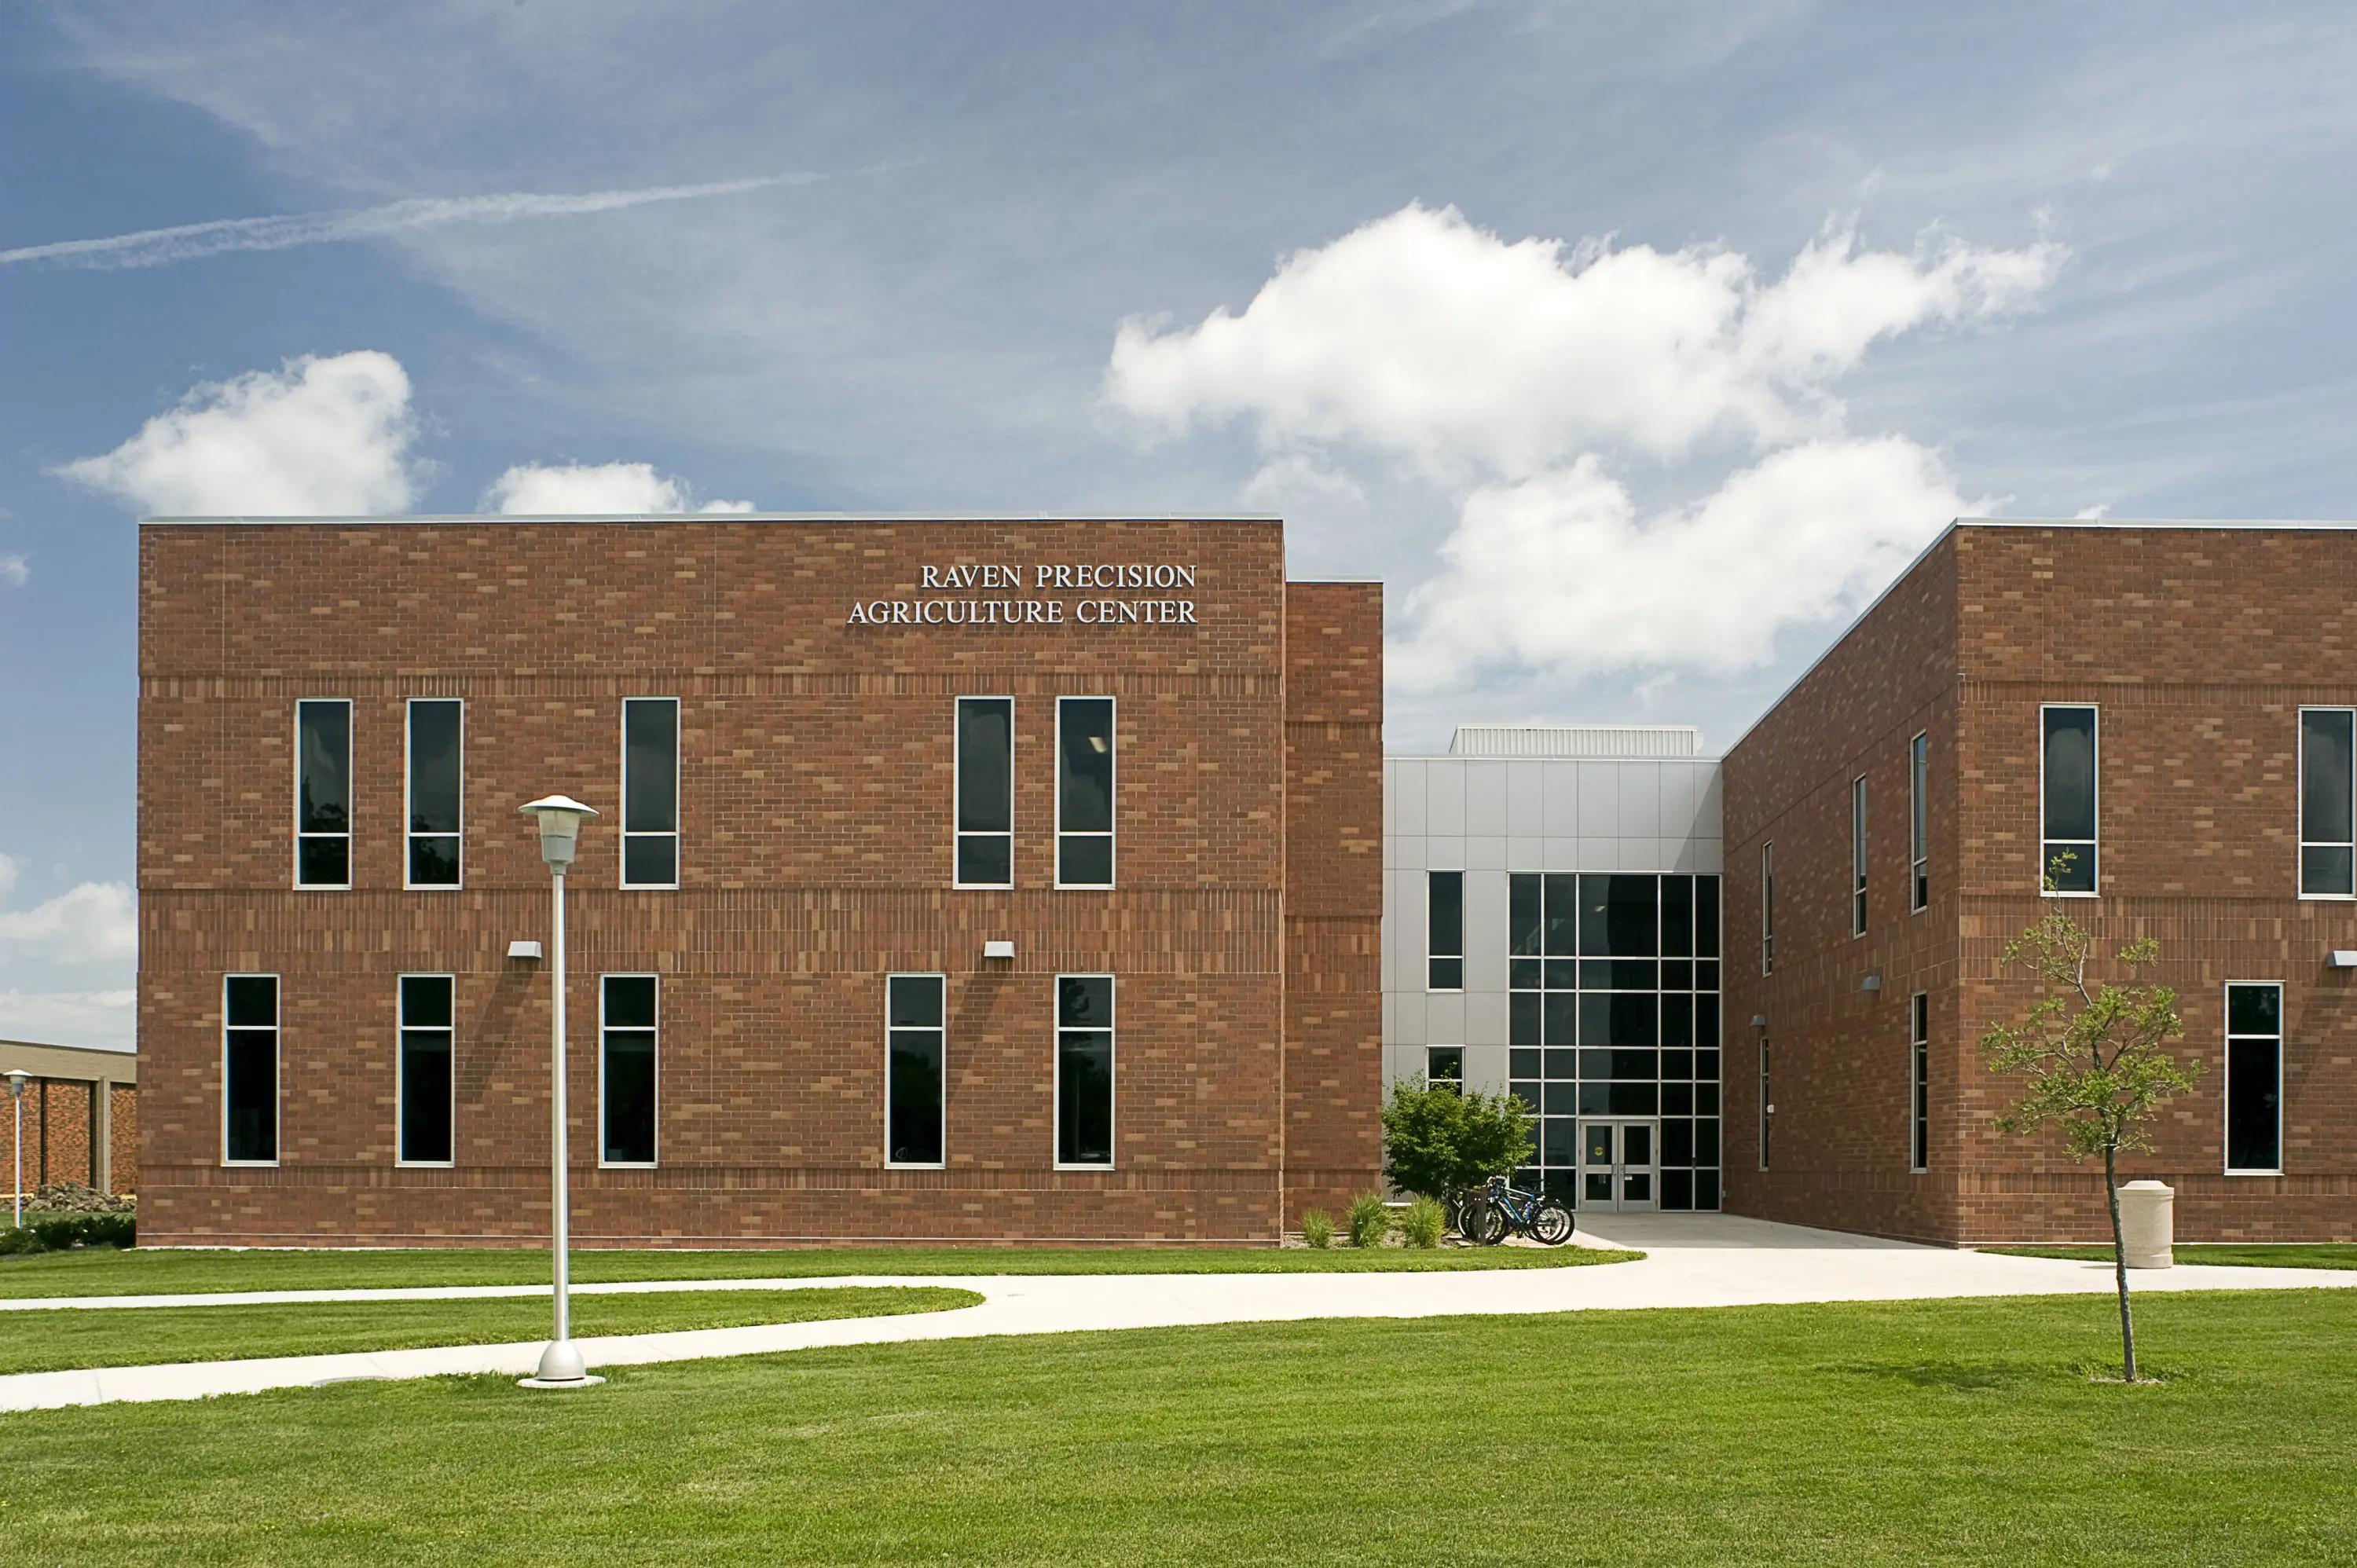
(2067, 785)
(626, 1070)
(651, 792)
(1857, 856)
(1445, 1064)
(436, 764)
(985, 792)
(2253, 1079)
(323, 793)
(1445, 930)
(1918, 821)
(249, 1069)
(1919, 1082)
(1767, 1104)
(422, 1094)
(1768, 908)
(2328, 808)
(914, 1104)
(1084, 1070)
(1085, 791)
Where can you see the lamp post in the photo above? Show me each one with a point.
(17, 1076)
(560, 818)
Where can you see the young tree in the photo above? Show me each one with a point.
(1438, 1137)
(2093, 1060)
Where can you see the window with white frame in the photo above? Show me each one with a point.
(1919, 1082)
(1085, 1067)
(1857, 856)
(1918, 821)
(1445, 1064)
(985, 792)
(249, 1069)
(2254, 1078)
(1767, 1104)
(1084, 793)
(1768, 908)
(424, 1084)
(627, 1083)
(2328, 806)
(436, 771)
(323, 792)
(915, 1102)
(1444, 930)
(651, 792)
(2067, 785)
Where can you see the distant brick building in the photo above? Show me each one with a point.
(835, 758)
(2171, 707)
(81, 1115)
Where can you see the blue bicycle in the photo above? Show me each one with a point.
(1499, 1210)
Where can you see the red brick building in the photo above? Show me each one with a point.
(2171, 705)
(842, 764)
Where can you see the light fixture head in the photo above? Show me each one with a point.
(1871, 983)
(560, 818)
(17, 1076)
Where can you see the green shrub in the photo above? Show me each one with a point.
(1423, 1223)
(1371, 1220)
(61, 1232)
(1436, 1137)
(1317, 1229)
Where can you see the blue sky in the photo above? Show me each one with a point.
(1633, 346)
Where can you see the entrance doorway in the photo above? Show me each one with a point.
(1616, 1167)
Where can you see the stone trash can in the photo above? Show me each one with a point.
(2147, 1223)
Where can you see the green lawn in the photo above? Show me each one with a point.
(1901, 1433)
(2256, 1255)
(104, 1271)
(141, 1335)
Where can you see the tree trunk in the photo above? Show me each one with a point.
(2120, 1262)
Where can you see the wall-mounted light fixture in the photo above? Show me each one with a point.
(1871, 983)
(998, 950)
(1760, 1020)
(2344, 958)
(523, 949)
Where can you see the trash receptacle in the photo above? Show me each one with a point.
(2147, 1223)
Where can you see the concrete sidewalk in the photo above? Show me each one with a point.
(1695, 1260)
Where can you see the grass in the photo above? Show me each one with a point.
(102, 1271)
(1945, 1433)
(2245, 1254)
(53, 1340)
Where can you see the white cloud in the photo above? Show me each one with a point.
(106, 1019)
(93, 922)
(1560, 573)
(14, 570)
(1422, 338)
(319, 436)
(1522, 381)
(8, 870)
(595, 490)
(188, 242)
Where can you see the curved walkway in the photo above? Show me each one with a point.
(1693, 1260)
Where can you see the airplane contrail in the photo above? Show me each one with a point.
(188, 242)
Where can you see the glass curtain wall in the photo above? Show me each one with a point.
(1615, 1012)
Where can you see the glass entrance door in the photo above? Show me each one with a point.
(1616, 1172)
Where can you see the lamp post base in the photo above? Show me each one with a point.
(560, 1368)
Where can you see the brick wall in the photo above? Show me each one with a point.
(815, 802)
(2198, 647)
(1334, 854)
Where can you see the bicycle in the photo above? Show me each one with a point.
(1503, 1209)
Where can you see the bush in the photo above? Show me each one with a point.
(1317, 1229)
(1437, 1138)
(1371, 1220)
(1423, 1223)
(62, 1233)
